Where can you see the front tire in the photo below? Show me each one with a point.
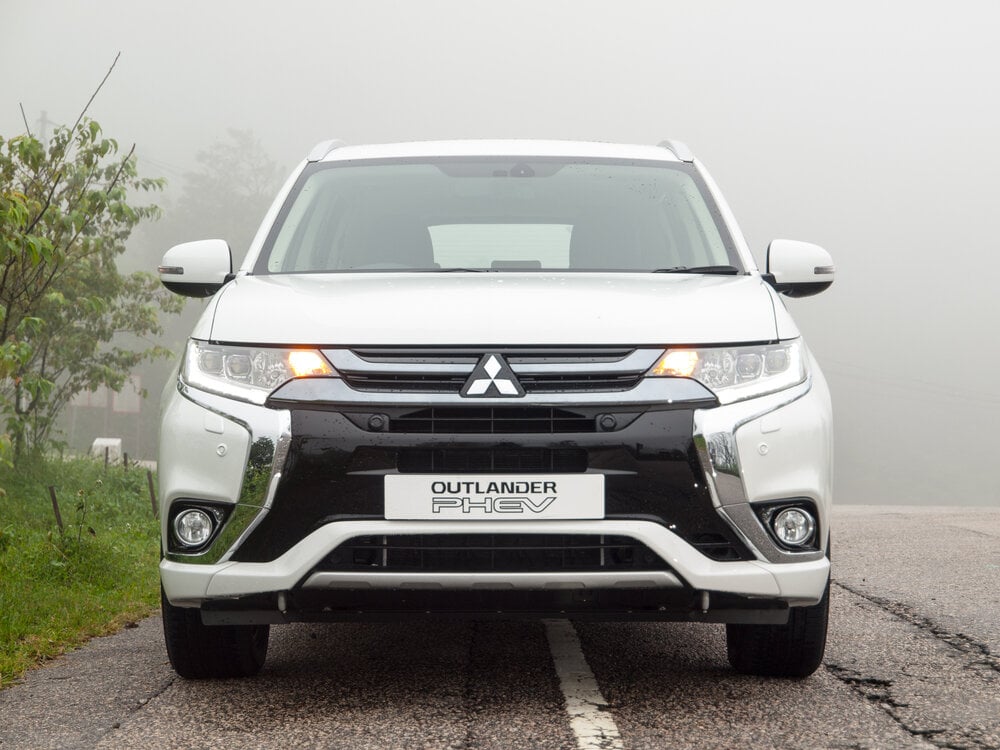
(198, 651)
(794, 649)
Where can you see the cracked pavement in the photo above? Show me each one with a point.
(921, 639)
(913, 661)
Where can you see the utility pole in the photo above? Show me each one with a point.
(43, 123)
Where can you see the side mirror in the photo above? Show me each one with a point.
(798, 269)
(197, 269)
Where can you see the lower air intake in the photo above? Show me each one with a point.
(500, 553)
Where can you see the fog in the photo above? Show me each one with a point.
(870, 128)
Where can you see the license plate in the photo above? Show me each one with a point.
(493, 497)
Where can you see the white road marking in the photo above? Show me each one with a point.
(590, 721)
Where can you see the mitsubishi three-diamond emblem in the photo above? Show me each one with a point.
(492, 378)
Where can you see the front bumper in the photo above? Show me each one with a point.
(797, 583)
(302, 481)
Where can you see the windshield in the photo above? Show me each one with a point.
(497, 215)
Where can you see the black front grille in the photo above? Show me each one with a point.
(500, 460)
(335, 471)
(496, 421)
(413, 370)
(501, 553)
(444, 383)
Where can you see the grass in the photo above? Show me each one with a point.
(57, 589)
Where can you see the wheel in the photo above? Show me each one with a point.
(794, 649)
(198, 651)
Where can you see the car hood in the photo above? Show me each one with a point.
(496, 309)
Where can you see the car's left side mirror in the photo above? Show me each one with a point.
(197, 269)
(798, 269)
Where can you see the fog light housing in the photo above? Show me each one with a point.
(193, 527)
(794, 527)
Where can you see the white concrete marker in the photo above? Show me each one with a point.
(594, 728)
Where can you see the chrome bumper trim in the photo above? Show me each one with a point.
(493, 581)
(715, 442)
(270, 437)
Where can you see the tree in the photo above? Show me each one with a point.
(226, 197)
(68, 318)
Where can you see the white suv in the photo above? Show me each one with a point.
(482, 378)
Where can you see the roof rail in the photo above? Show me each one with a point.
(680, 150)
(321, 149)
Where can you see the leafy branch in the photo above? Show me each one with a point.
(66, 211)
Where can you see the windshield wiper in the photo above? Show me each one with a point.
(722, 270)
(468, 270)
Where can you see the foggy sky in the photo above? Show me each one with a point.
(870, 128)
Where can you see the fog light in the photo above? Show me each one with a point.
(793, 526)
(193, 527)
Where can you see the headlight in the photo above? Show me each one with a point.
(248, 373)
(739, 372)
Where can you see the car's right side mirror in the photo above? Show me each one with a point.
(798, 269)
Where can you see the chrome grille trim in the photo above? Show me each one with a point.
(330, 392)
(639, 361)
(541, 370)
(346, 361)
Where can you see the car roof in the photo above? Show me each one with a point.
(335, 151)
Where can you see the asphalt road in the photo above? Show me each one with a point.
(913, 661)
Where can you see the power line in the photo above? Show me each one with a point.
(162, 165)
